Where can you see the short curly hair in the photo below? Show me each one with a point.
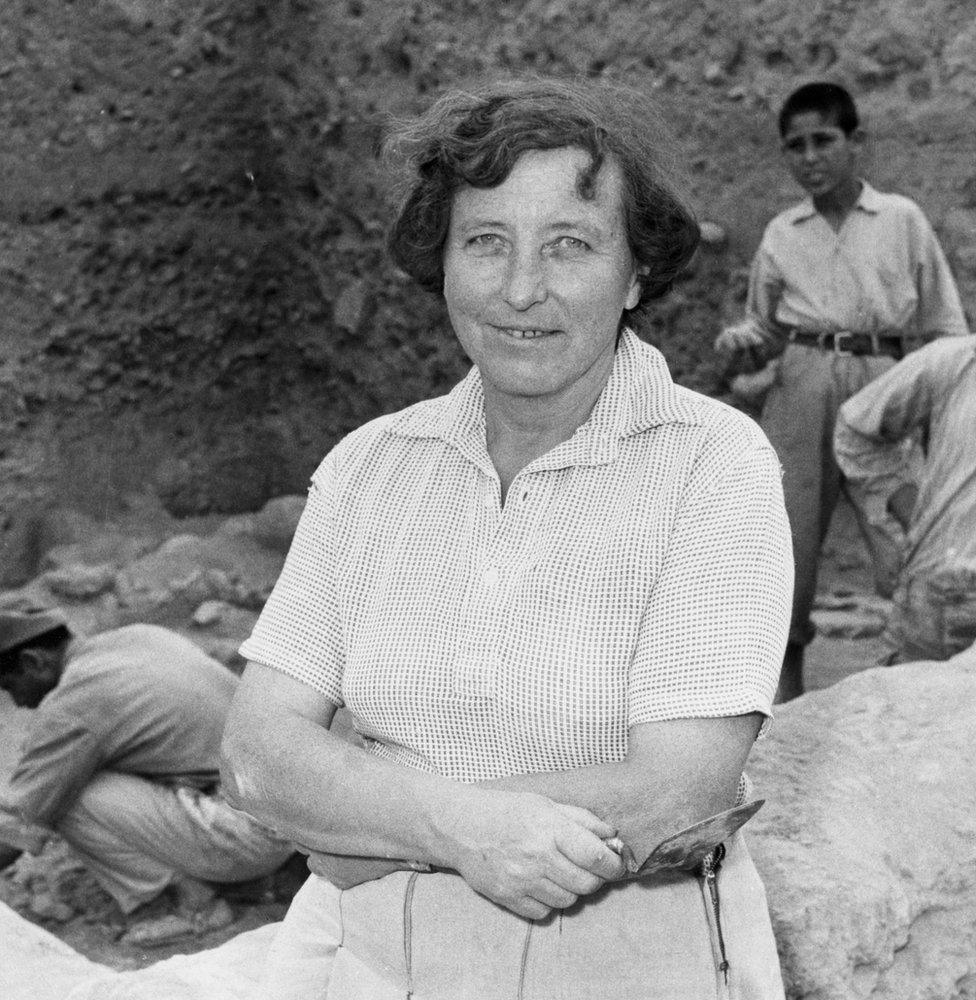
(476, 137)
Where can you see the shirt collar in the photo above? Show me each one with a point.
(639, 394)
(867, 201)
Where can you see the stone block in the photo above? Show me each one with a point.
(867, 843)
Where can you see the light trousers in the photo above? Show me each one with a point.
(798, 417)
(136, 835)
(431, 937)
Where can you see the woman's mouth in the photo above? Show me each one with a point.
(526, 333)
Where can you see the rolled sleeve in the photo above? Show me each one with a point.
(872, 435)
(711, 641)
(765, 290)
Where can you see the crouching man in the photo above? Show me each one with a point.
(930, 395)
(121, 760)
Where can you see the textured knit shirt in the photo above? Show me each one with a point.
(141, 700)
(933, 390)
(639, 571)
(882, 271)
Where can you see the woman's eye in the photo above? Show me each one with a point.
(569, 243)
(485, 240)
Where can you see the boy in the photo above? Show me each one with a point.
(839, 286)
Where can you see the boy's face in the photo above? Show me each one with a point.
(821, 157)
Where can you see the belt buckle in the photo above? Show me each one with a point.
(839, 337)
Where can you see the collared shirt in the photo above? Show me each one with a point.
(883, 271)
(639, 571)
(933, 390)
(139, 699)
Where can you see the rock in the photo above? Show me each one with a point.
(107, 547)
(30, 530)
(225, 651)
(867, 843)
(79, 582)
(210, 613)
(348, 311)
(712, 234)
(275, 523)
(855, 623)
(47, 906)
(714, 73)
(959, 57)
(170, 580)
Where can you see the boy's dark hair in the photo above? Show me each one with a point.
(52, 639)
(475, 138)
(830, 100)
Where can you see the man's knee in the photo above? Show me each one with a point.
(104, 796)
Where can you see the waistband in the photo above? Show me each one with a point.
(849, 343)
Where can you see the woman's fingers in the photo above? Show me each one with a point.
(520, 847)
(585, 818)
(554, 896)
(587, 853)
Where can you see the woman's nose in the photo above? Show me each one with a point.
(525, 282)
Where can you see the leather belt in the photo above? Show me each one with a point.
(848, 343)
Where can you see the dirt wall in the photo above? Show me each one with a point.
(195, 301)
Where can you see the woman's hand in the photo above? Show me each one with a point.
(532, 855)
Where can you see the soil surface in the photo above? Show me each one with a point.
(196, 300)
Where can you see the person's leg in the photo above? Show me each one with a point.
(94, 828)
(136, 836)
(791, 674)
(301, 958)
(882, 535)
(798, 420)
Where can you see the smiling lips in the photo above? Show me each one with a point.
(519, 334)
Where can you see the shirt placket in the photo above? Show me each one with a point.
(506, 549)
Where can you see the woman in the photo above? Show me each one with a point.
(554, 601)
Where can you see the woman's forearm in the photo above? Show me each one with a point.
(317, 789)
(282, 765)
(675, 774)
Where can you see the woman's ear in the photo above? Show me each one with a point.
(636, 287)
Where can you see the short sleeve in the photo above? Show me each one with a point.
(712, 638)
(300, 630)
(764, 292)
(940, 311)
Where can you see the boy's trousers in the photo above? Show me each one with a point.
(798, 417)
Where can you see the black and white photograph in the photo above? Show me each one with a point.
(487, 500)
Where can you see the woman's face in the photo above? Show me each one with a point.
(536, 278)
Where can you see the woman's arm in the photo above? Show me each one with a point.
(675, 773)
(282, 765)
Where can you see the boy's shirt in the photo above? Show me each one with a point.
(882, 272)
